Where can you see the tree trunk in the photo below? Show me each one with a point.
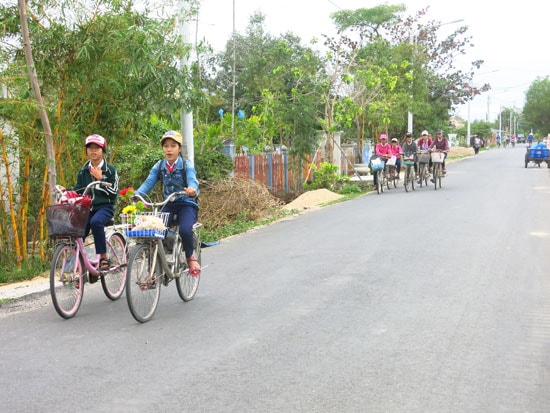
(38, 96)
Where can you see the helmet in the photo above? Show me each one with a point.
(383, 136)
(425, 133)
(97, 139)
(172, 134)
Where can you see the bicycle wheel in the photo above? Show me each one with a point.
(142, 283)
(437, 169)
(412, 175)
(407, 178)
(113, 282)
(66, 280)
(379, 187)
(387, 178)
(187, 284)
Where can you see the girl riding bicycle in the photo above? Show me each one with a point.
(177, 175)
(103, 197)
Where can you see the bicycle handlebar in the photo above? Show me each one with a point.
(170, 198)
(59, 191)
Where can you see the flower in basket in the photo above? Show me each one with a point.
(130, 211)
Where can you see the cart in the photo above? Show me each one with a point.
(537, 155)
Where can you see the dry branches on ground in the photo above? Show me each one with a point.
(227, 200)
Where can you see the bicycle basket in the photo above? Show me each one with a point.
(66, 220)
(147, 224)
(424, 157)
(376, 164)
(438, 157)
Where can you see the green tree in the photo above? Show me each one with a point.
(103, 68)
(536, 110)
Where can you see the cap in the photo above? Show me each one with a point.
(439, 131)
(394, 140)
(425, 133)
(383, 136)
(172, 134)
(408, 135)
(97, 139)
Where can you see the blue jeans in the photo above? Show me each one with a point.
(96, 222)
(187, 215)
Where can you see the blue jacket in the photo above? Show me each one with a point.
(184, 175)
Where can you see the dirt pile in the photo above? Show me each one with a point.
(312, 198)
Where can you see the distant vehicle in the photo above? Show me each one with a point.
(521, 138)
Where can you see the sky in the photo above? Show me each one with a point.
(511, 38)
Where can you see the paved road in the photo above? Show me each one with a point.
(427, 301)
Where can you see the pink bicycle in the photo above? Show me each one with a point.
(71, 267)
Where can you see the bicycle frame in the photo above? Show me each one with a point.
(149, 267)
(71, 268)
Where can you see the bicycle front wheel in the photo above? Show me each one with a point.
(436, 177)
(66, 280)
(379, 187)
(407, 178)
(113, 282)
(143, 283)
(187, 284)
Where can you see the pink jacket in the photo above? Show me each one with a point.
(396, 150)
(383, 150)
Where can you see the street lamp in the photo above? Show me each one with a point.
(412, 40)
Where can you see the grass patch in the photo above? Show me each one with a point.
(240, 225)
(29, 269)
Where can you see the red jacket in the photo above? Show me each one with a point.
(423, 146)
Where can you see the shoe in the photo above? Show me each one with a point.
(104, 264)
(432, 180)
(444, 171)
(194, 267)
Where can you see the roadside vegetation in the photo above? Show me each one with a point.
(112, 68)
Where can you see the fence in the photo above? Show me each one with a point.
(272, 169)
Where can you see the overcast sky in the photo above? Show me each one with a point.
(510, 38)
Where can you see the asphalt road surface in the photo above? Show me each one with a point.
(427, 301)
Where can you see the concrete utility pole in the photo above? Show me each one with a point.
(186, 116)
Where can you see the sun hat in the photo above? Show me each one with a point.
(172, 134)
(97, 139)
(425, 133)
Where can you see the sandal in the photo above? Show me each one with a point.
(195, 269)
(104, 264)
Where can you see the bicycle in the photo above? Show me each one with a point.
(151, 265)
(378, 167)
(423, 167)
(410, 175)
(437, 159)
(71, 267)
(391, 173)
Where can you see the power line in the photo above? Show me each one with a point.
(335, 5)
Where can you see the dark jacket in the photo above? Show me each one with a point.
(101, 195)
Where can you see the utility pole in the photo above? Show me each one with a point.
(234, 77)
(186, 115)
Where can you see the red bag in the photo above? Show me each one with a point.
(73, 198)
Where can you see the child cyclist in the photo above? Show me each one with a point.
(177, 175)
(103, 197)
